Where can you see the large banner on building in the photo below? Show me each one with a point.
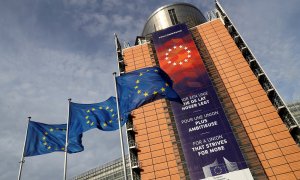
(209, 146)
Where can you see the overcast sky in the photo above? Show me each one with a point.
(52, 50)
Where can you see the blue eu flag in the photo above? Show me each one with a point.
(45, 138)
(103, 116)
(143, 86)
(218, 170)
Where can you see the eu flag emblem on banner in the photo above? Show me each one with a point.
(103, 116)
(143, 86)
(45, 138)
(218, 170)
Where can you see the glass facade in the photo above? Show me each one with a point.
(112, 170)
(295, 110)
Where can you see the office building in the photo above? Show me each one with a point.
(111, 170)
(264, 129)
(233, 124)
(295, 110)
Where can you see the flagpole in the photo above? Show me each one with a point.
(120, 127)
(22, 158)
(66, 144)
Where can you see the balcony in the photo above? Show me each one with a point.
(130, 126)
(267, 87)
(258, 72)
(250, 59)
(132, 144)
(289, 121)
(244, 49)
(229, 28)
(135, 164)
(278, 104)
(122, 66)
(236, 38)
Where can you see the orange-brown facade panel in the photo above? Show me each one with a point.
(262, 128)
(272, 142)
(156, 152)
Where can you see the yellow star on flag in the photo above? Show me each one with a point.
(146, 94)
(93, 109)
(155, 92)
(139, 91)
(51, 129)
(104, 124)
(163, 89)
(86, 117)
(88, 111)
(135, 87)
(141, 74)
(100, 107)
(137, 81)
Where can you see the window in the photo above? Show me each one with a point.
(173, 16)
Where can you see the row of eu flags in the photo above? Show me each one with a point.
(134, 90)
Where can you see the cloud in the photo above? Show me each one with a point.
(52, 50)
(37, 80)
(100, 20)
(80, 2)
(93, 24)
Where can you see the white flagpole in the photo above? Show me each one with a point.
(66, 144)
(22, 158)
(120, 127)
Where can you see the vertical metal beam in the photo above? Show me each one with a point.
(66, 144)
(22, 158)
(120, 127)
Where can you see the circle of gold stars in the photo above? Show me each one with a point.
(181, 61)
(104, 124)
(145, 93)
(46, 144)
(218, 170)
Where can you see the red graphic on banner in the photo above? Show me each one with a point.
(178, 54)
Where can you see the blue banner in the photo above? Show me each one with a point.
(209, 146)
